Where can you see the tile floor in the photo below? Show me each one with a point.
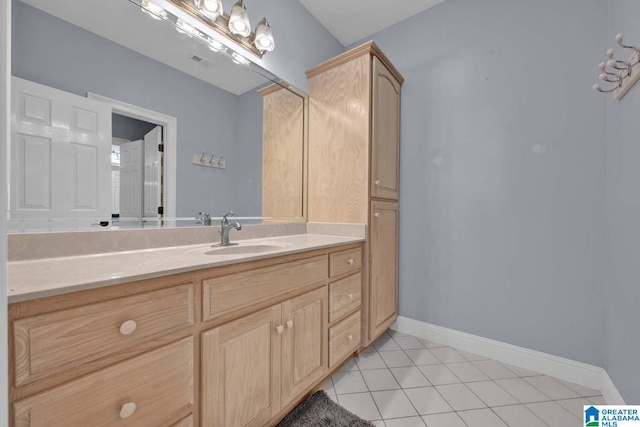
(404, 381)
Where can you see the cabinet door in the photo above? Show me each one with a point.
(385, 133)
(241, 371)
(383, 279)
(304, 342)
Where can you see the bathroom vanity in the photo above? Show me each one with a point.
(237, 343)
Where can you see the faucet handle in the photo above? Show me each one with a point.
(230, 213)
(224, 221)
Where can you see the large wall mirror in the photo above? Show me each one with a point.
(118, 118)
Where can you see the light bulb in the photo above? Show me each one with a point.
(264, 38)
(239, 20)
(153, 10)
(209, 8)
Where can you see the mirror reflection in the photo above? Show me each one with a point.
(117, 116)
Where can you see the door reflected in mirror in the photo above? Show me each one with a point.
(63, 143)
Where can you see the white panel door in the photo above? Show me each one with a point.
(131, 164)
(152, 172)
(60, 154)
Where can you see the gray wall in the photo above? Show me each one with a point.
(623, 212)
(496, 240)
(128, 128)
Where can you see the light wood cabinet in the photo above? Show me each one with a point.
(383, 291)
(143, 391)
(256, 365)
(354, 140)
(241, 371)
(235, 345)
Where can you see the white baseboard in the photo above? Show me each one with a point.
(569, 370)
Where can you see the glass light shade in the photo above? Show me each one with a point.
(239, 20)
(209, 8)
(153, 10)
(264, 38)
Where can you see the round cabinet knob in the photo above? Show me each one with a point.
(377, 182)
(350, 261)
(127, 410)
(377, 214)
(349, 337)
(350, 296)
(279, 329)
(289, 324)
(128, 327)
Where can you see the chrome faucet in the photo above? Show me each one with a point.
(203, 218)
(225, 227)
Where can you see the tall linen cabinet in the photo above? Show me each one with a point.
(354, 139)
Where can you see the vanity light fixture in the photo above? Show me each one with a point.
(235, 26)
(239, 23)
(209, 8)
(263, 39)
(153, 10)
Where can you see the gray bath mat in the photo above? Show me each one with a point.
(320, 411)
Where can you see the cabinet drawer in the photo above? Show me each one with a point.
(225, 294)
(185, 422)
(344, 296)
(51, 342)
(344, 262)
(143, 391)
(344, 338)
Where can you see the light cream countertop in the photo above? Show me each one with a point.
(54, 276)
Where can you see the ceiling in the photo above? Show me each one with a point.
(352, 20)
(155, 39)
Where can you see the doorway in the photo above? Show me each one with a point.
(136, 169)
(161, 132)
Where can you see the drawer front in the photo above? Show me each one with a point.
(225, 294)
(185, 422)
(143, 391)
(344, 296)
(344, 338)
(345, 262)
(47, 343)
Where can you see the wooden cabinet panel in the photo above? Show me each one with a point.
(339, 122)
(241, 371)
(344, 296)
(282, 153)
(225, 294)
(345, 262)
(304, 343)
(383, 279)
(385, 137)
(344, 339)
(143, 391)
(51, 342)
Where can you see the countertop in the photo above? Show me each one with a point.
(55, 276)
